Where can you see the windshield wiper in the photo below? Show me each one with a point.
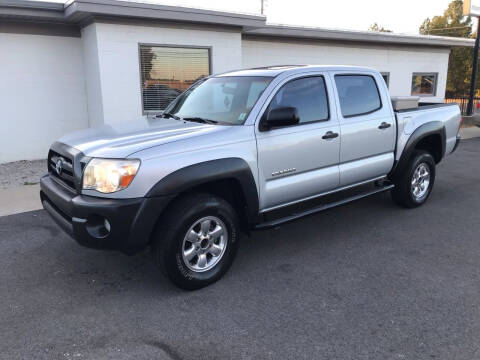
(167, 115)
(200, 120)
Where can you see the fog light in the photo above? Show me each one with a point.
(98, 226)
(106, 223)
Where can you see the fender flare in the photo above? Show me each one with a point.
(221, 169)
(428, 129)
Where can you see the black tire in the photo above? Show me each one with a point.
(168, 242)
(403, 193)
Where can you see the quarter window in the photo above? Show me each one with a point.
(308, 95)
(168, 71)
(358, 94)
(424, 84)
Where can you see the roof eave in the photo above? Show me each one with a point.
(32, 10)
(161, 12)
(356, 36)
(75, 11)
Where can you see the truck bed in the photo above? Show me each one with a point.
(409, 120)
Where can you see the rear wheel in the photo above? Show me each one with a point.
(195, 244)
(413, 187)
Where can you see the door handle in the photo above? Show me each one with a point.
(330, 135)
(384, 125)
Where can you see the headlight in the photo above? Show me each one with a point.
(108, 175)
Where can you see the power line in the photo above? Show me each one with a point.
(453, 27)
(448, 32)
(448, 29)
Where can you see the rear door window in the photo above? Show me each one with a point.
(358, 94)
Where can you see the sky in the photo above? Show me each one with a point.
(402, 16)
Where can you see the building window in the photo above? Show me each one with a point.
(167, 71)
(386, 77)
(358, 94)
(424, 84)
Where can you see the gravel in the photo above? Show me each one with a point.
(19, 173)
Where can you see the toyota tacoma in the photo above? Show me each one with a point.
(240, 151)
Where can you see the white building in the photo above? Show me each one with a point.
(93, 62)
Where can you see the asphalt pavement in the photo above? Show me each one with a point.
(368, 280)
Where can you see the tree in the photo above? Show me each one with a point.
(453, 23)
(377, 28)
(147, 56)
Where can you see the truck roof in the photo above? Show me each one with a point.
(275, 70)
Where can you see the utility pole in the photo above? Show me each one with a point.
(473, 79)
(262, 8)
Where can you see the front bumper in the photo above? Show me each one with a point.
(100, 223)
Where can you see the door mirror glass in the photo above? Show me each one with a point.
(279, 117)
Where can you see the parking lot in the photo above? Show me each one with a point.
(367, 280)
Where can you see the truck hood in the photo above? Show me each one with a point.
(122, 140)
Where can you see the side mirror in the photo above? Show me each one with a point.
(280, 117)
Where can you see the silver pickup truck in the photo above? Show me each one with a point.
(238, 151)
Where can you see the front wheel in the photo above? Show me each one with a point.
(413, 187)
(197, 241)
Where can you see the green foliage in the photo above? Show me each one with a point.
(453, 23)
(377, 28)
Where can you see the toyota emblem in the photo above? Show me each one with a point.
(59, 167)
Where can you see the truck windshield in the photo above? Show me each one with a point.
(222, 100)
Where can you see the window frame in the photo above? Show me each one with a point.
(387, 74)
(435, 83)
(361, 114)
(267, 109)
(210, 64)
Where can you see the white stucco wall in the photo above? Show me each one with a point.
(118, 60)
(42, 93)
(400, 62)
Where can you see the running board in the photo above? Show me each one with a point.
(276, 222)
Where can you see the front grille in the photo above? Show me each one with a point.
(65, 175)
